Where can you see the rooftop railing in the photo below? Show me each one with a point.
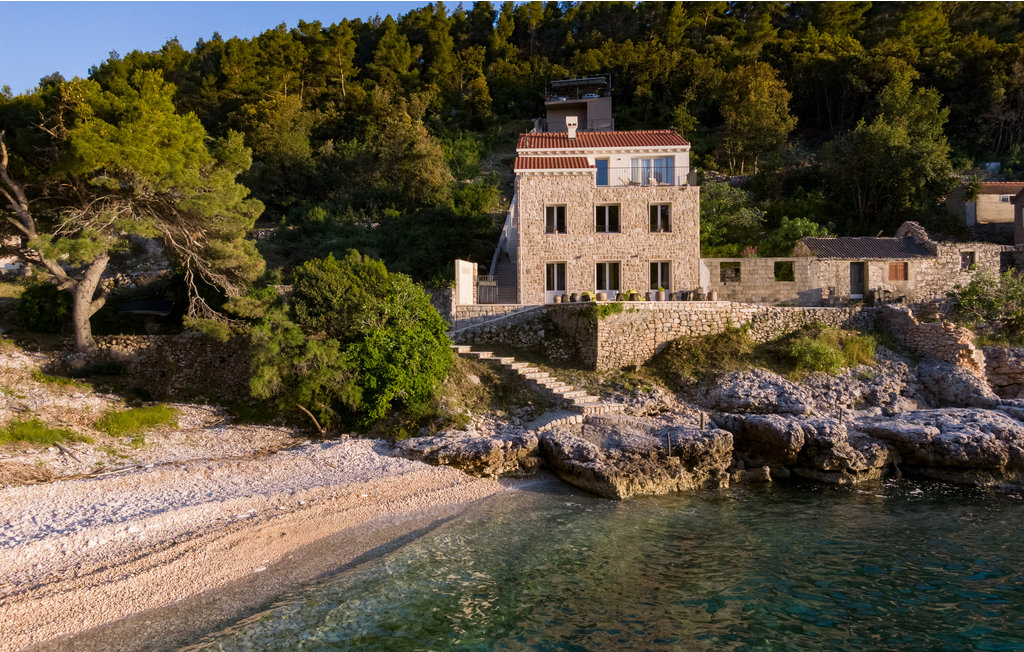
(633, 176)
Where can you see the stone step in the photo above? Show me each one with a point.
(597, 408)
(575, 393)
(535, 374)
(461, 349)
(482, 355)
(585, 399)
(519, 366)
(508, 361)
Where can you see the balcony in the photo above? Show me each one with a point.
(620, 177)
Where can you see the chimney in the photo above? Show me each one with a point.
(571, 123)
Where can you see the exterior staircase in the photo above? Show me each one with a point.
(505, 271)
(576, 400)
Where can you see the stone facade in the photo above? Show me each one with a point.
(443, 300)
(177, 367)
(581, 248)
(931, 276)
(940, 340)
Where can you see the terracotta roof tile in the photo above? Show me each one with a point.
(1001, 187)
(551, 163)
(868, 248)
(603, 140)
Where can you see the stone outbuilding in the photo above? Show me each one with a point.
(988, 212)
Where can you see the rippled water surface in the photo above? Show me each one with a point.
(896, 567)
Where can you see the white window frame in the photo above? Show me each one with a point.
(551, 225)
(607, 265)
(664, 269)
(607, 221)
(664, 222)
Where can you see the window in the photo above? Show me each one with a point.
(652, 171)
(661, 275)
(729, 272)
(661, 218)
(555, 219)
(784, 270)
(602, 171)
(607, 218)
(555, 277)
(1005, 199)
(898, 272)
(607, 277)
(966, 260)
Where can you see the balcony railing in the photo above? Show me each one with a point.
(558, 126)
(643, 176)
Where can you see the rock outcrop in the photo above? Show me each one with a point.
(481, 455)
(757, 391)
(950, 385)
(817, 448)
(1005, 370)
(974, 446)
(618, 457)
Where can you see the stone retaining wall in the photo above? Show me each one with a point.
(940, 340)
(520, 331)
(470, 315)
(184, 366)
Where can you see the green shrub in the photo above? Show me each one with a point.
(813, 354)
(860, 349)
(356, 343)
(44, 308)
(995, 302)
(135, 421)
(600, 311)
(37, 432)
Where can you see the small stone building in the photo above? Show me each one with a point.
(910, 265)
(990, 213)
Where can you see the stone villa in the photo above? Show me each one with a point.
(601, 211)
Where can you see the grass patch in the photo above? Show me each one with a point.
(35, 431)
(687, 360)
(135, 421)
(9, 290)
(10, 391)
(600, 311)
(61, 381)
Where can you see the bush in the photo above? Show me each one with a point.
(356, 342)
(812, 354)
(689, 359)
(993, 302)
(44, 308)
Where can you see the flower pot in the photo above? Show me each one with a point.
(713, 295)
(573, 298)
(557, 298)
(660, 295)
(602, 296)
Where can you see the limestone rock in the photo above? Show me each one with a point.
(816, 448)
(1004, 368)
(477, 454)
(758, 391)
(950, 385)
(969, 445)
(619, 457)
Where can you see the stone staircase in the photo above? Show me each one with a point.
(505, 272)
(576, 400)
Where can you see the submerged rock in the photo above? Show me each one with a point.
(619, 457)
(481, 455)
(975, 446)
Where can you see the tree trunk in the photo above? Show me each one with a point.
(83, 307)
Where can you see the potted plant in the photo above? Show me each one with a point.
(602, 296)
(586, 296)
(632, 295)
(660, 295)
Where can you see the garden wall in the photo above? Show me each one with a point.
(940, 340)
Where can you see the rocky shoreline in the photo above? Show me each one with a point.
(928, 419)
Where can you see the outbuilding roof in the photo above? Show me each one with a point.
(865, 248)
(551, 163)
(1001, 187)
(603, 139)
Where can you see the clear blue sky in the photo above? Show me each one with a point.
(39, 38)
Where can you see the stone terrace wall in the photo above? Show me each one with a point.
(940, 340)
(466, 316)
(1005, 369)
(635, 335)
(189, 365)
(524, 330)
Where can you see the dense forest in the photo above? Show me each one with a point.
(394, 136)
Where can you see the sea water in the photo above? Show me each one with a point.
(895, 566)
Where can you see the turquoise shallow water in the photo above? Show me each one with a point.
(899, 566)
